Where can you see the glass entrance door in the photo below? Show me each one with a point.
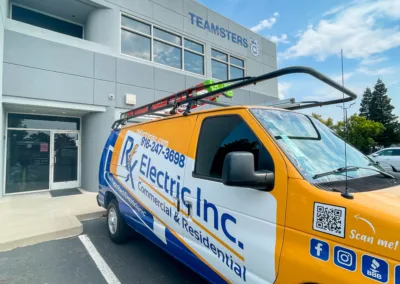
(28, 160)
(64, 160)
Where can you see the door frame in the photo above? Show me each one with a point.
(69, 184)
(5, 145)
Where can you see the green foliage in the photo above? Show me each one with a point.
(328, 122)
(365, 103)
(361, 132)
(376, 106)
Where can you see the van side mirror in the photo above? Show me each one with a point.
(375, 155)
(238, 170)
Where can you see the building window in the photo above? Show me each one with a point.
(221, 135)
(225, 66)
(41, 20)
(146, 41)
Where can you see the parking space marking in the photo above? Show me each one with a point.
(103, 267)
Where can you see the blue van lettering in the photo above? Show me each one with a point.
(160, 173)
(184, 190)
(153, 173)
(126, 151)
(214, 208)
(130, 170)
(142, 163)
(225, 217)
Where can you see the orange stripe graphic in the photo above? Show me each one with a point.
(162, 196)
(196, 222)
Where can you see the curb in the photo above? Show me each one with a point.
(76, 228)
(91, 215)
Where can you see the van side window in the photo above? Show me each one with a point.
(223, 134)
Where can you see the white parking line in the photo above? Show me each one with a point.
(105, 270)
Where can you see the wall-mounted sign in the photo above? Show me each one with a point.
(225, 33)
(130, 99)
(254, 46)
(44, 147)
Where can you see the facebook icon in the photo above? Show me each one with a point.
(319, 249)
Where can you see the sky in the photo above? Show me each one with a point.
(313, 33)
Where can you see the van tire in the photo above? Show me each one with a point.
(117, 228)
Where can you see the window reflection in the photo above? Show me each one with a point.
(219, 70)
(194, 46)
(167, 36)
(236, 73)
(135, 45)
(42, 122)
(194, 62)
(136, 25)
(66, 157)
(167, 54)
(219, 55)
(46, 22)
(28, 154)
(237, 61)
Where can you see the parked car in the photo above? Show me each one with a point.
(387, 158)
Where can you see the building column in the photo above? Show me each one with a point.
(102, 26)
(4, 10)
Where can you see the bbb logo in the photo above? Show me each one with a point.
(345, 258)
(319, 249)
(375, 268)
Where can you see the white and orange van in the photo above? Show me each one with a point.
(250, 194)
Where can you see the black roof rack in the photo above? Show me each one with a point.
(191, 97)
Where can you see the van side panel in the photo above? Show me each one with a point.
(144, 167)
(104, 166)
(332, 239)
(256, 235)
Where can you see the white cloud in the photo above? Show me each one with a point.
(357, 29)
(375, 72)
(346, 76)
(277, 39)
(265, 24)
(373, 60)
(333, 11)
(283, 89)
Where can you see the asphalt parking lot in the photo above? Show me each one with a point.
(68, 261)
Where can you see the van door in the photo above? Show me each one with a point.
(151, 159)
(236, 232)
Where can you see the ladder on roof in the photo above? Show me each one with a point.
(209, 92)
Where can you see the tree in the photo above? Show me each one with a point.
(380, 110)
(328, 122)
(366, 103)
(361, 132)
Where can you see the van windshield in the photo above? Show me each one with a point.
(313, 147)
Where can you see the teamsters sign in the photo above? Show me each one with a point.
(225, 33)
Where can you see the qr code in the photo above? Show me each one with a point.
(329, 219)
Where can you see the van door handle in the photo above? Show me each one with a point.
(178, 205)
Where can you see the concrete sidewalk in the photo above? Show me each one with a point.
(33, 218)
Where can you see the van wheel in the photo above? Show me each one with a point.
(117, 228)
